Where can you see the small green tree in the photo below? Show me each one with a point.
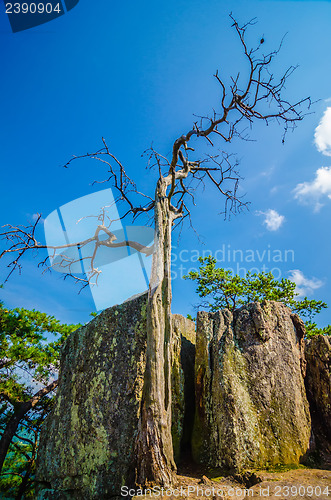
(28, 379)
(220, 289)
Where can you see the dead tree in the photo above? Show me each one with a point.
(252, 96)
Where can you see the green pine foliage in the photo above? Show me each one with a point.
(20, 461)
(25, 349)
(312, 329)
(220, 289)
(30, 345)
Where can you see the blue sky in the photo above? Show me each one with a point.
(135, 73)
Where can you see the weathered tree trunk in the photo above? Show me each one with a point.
(11, 429)
(20, 409)
(26, 478)
(154, 450)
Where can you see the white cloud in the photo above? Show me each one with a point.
(304, 286)
(323, 133)
(274, 190)
(268, 172)
(36, 216)
(273, 220)
(311, 192)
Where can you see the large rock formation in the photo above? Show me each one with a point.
(250, 402)
(251, 406)
(318, 385)
(86, 445)
(87, 442)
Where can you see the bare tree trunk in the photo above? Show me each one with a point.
(154, 450)
(20, 409)
(25, 481)
(11, 429)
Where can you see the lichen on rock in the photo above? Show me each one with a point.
(251, 406)
(87, 442)
(318, 385)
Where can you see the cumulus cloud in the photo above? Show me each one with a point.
(312, 192)
(272, 219)
(323, 133)
(304, 286)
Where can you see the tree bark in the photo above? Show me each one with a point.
(10, 430)
(26, 478)
(20, 409)
(154, 451)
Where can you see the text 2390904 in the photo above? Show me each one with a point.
(33, 8)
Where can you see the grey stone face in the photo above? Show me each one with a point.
(86, 447)
(318, 385)
(87, 442)
(251, 406)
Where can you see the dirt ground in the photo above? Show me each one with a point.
(293, 484)
(195, 484)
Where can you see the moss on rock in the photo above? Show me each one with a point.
(251, 406)
(87, 442)
(318, 385)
